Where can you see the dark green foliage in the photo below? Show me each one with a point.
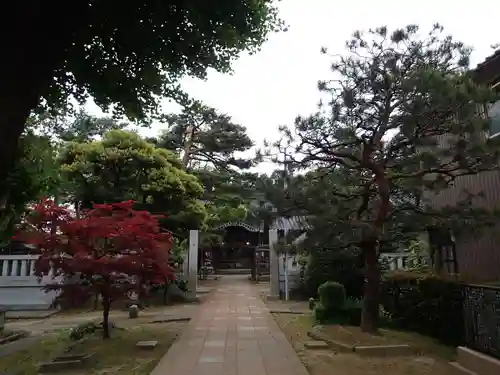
(33, 176)
(124, 166)
(82, 330)
(350, 314)
(334, 308)
(426, 304)
(333, 265)
(213, 137)
(332, 295)
(134, 56)
(126, 56)
(82, 127)
(403, 121)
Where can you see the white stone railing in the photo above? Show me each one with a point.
(20, 289)
(19, 270)
(403, 261)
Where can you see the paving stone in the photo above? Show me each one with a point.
(147, 344)
(234, 334)
(316, 345)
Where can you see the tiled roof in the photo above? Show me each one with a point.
(248, 227)
(488, 71)
(281, 223)
(489, 59)
(291, 223)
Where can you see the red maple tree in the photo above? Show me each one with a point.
(112, 249)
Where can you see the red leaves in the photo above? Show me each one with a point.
(109, 244)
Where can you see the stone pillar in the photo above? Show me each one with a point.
(424, 237)
(273, 265)
(192, 266)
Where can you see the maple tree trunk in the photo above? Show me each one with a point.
(96, 301)
(106, 305)
(370, 312)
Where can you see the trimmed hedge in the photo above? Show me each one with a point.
(332, 295)
(350, 314)
(332, 265)
(334, 308)
(426, 304)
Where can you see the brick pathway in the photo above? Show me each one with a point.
(234, 334)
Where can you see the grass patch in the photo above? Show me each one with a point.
(116, 356)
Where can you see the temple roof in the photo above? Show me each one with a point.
(249, 227)
(281, 223)
(291, 223)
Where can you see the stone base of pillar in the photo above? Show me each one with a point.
(271, 297)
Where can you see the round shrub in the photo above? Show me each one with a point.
(332, 296)
(334, 265)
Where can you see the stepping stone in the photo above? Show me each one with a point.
(147, 344)
(316, 345)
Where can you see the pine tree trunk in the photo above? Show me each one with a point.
(106, 304)
(371, 303)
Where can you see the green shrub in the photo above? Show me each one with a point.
(333, 265)
(332, 295)
(426, 304)
(333, 307)
(350, 315)
(82, 330)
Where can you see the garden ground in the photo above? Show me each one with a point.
(431, 358)
(49, 338)
(116, 356)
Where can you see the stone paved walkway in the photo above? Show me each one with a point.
(234, 334)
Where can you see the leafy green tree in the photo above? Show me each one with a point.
(85, 127)
(401, 126)
(206, 137)
(123, 166)
(79, 128)
(35, 175)
(126, 56)
(209, 142)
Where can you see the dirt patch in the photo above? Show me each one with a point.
(353, 336)
(66, 321)
(326, 362)
(116, 356)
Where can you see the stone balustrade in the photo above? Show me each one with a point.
(402, 261)
(20, 289)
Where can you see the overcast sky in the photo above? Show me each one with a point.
(274, 86)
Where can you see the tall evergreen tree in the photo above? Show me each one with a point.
(207, 138)
(402, 124)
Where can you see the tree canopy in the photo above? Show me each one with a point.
(123, 166)
(207, 138)
(34, 176)
(126, 57)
